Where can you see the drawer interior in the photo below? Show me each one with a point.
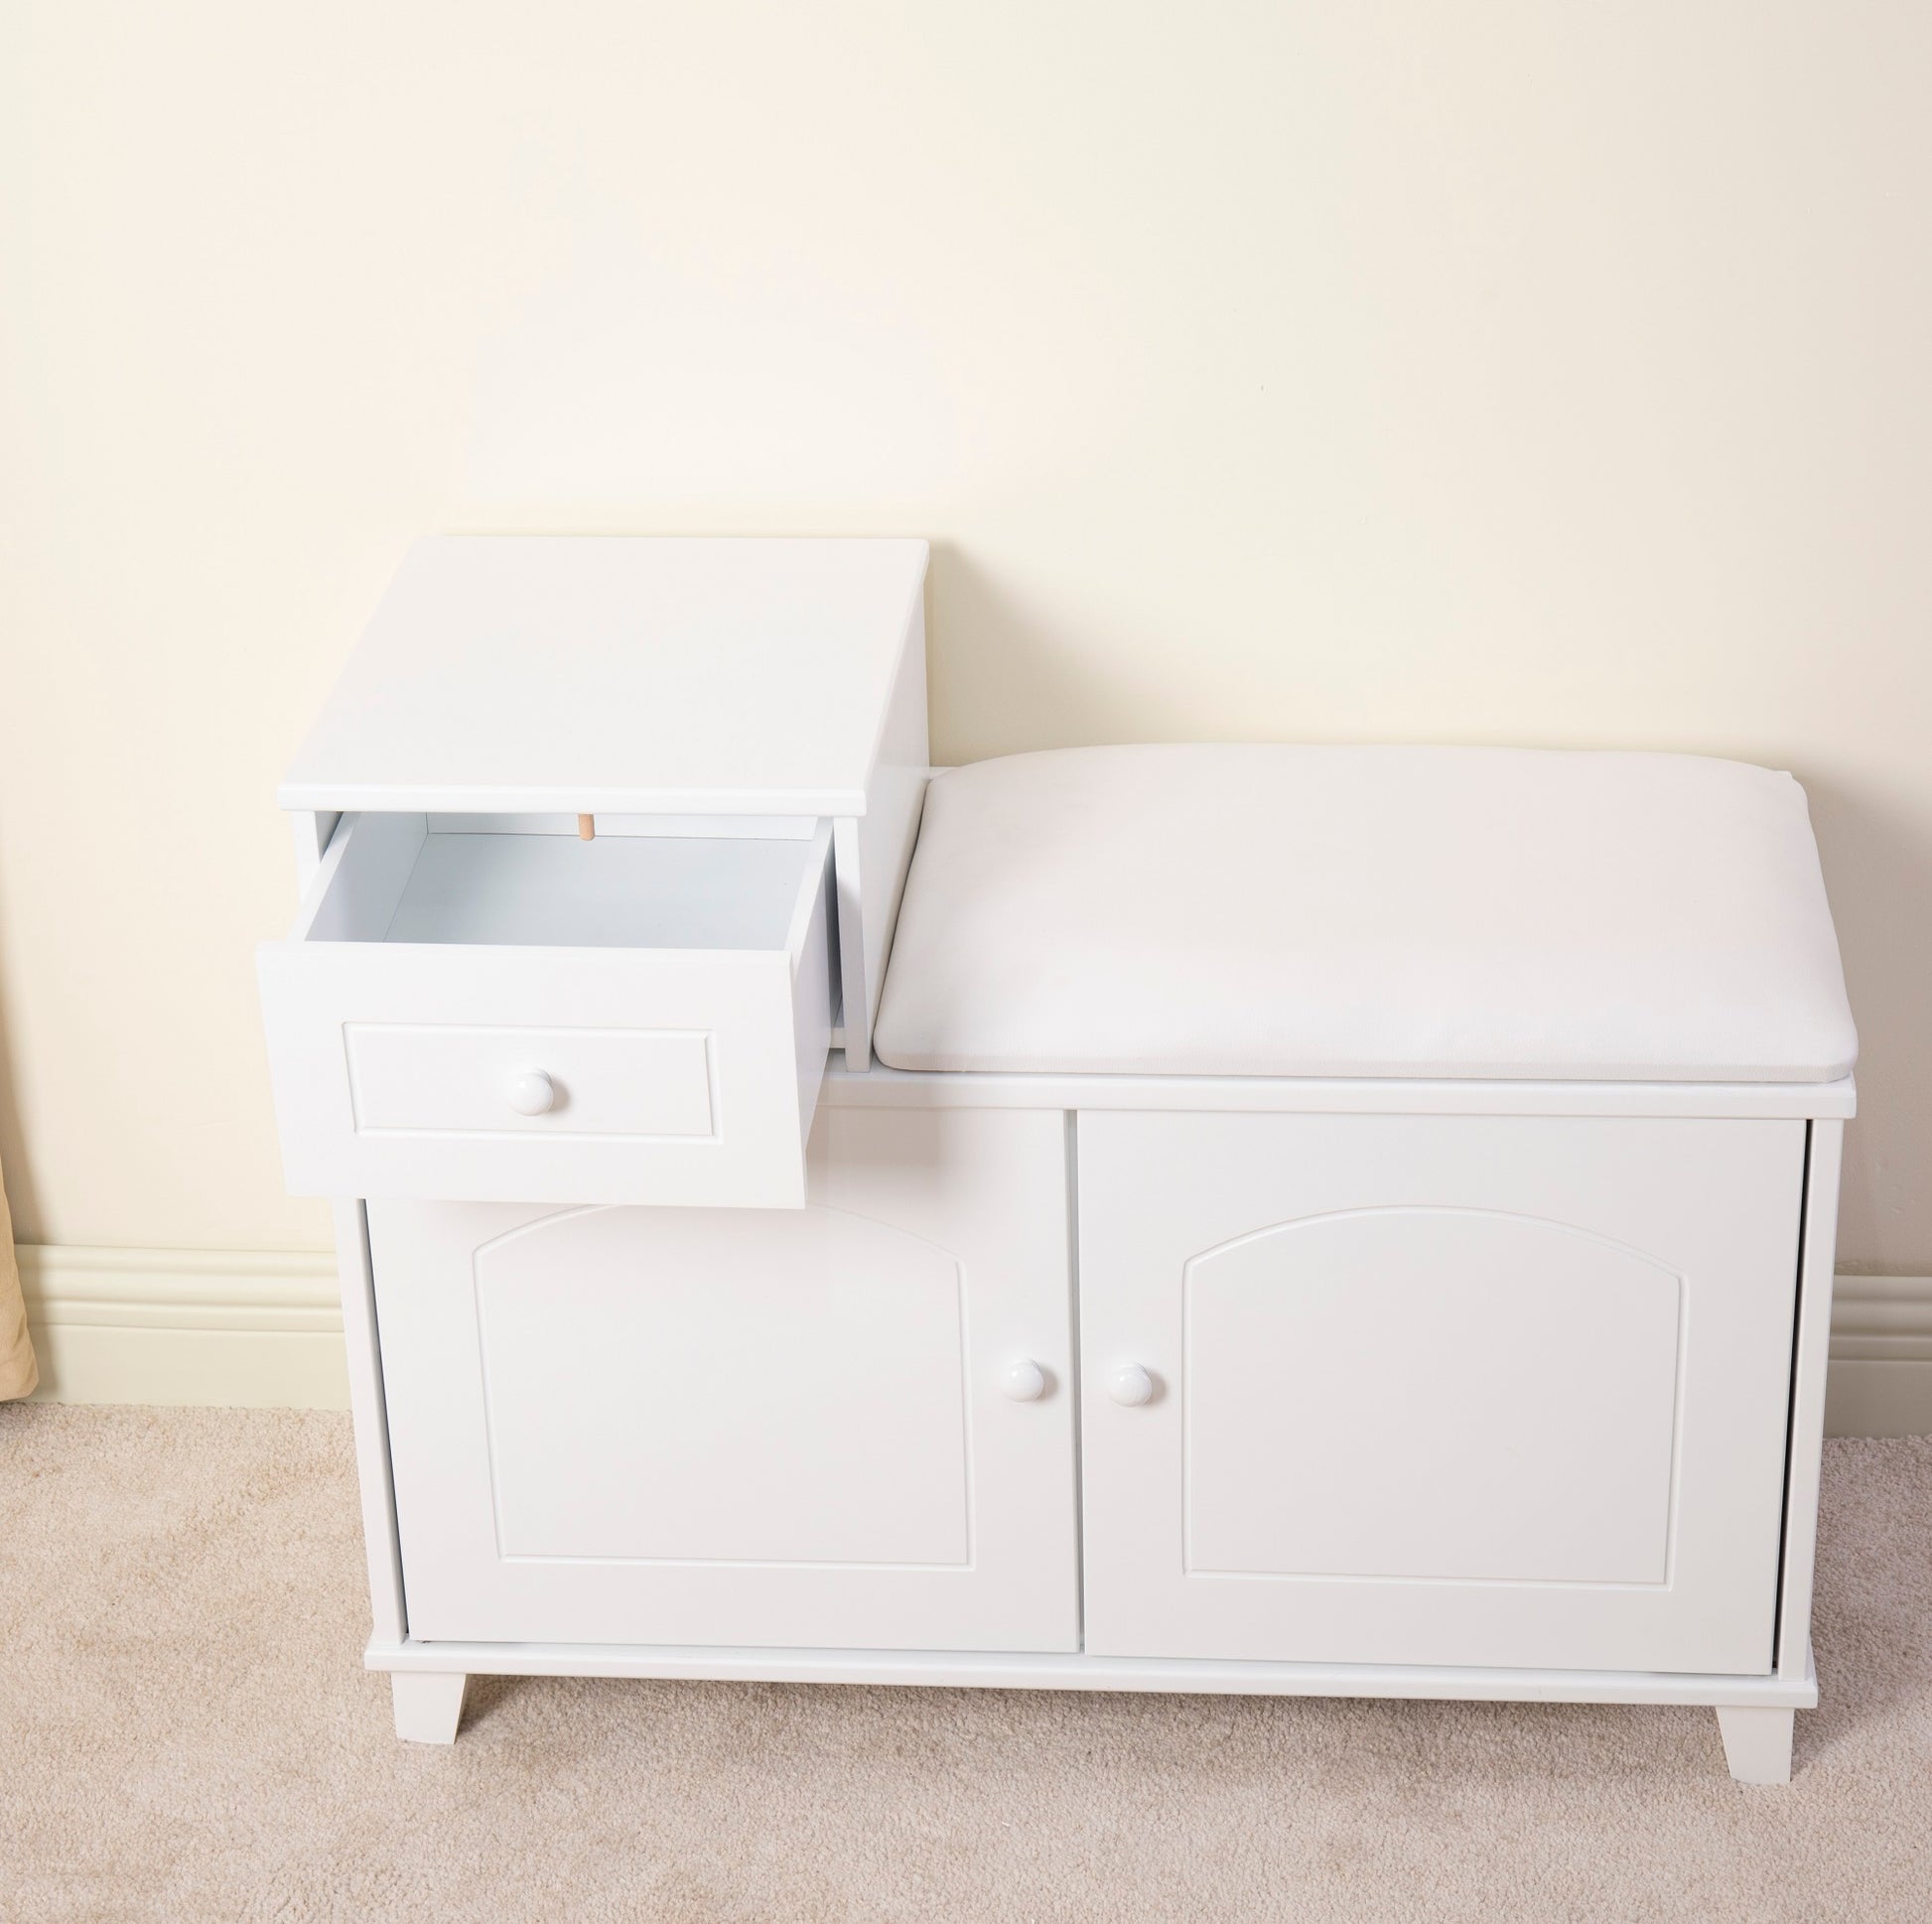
(408, 879)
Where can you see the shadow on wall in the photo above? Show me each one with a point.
(1022, 680)
(1879, 873)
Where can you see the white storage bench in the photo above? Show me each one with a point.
(1351, 1221)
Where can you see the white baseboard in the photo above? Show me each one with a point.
(262, 1328)
(1880, 1382)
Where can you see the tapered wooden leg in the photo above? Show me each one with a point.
(1757, 1743)
(428, 1703)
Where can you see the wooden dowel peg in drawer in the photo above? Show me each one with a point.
(587, 828)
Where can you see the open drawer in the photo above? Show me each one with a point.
(473, 1016)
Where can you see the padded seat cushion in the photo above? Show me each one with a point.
(1343, 911)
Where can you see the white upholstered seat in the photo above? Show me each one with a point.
(1367, 911)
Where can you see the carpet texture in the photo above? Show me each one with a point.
(185, 1733)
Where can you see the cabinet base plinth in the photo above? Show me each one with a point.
(997, 1669)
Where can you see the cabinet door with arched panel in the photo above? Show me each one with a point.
(1473, 1390)
(843, 1426)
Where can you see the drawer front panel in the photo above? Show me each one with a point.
(391, 1071)
(1437, 1389)
(641, 1084)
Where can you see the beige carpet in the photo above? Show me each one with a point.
(185, 1733)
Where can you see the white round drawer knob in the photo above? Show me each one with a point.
(1131, 1385)
(1024, 1381)
(532, 1094)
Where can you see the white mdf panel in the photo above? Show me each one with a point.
(606, 1083)
(311, 832)
(873, 853)
(736, 828)
(887, 1088)
(572, 674)
(469, 1017)
(1510, 1468)
(844, 1333)
(989, 1670)
(370, 1420)
(1808, 1389)
(628, 891)
(1478, 1391)
(678, 1426)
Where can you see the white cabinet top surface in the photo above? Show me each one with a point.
(617, 674)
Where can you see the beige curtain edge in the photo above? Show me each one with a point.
(19, 1372)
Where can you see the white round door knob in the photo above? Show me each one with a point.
(1129, 1385)
(532, 1093)
(1024, 1381)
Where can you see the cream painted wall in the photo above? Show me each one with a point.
(1523, 374)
